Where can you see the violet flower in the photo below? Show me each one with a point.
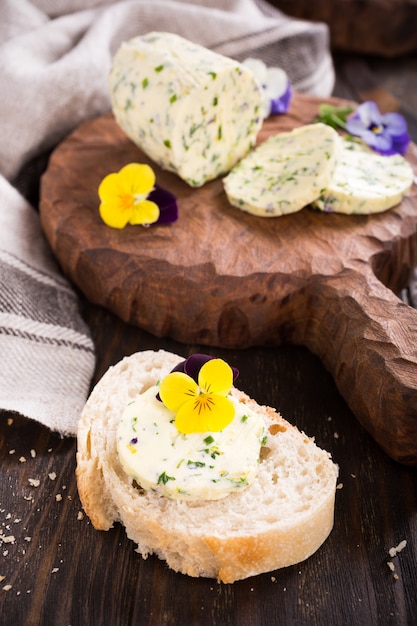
(275, 84)
(386, 134)
(192, 366)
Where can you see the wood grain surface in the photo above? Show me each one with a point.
(221, 277)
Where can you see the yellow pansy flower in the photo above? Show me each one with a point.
(124, 194)
(201, 406)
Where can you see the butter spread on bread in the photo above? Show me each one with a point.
(365, 182)
(197, 466)
(284, 173)
(191, 110)
(281, 518)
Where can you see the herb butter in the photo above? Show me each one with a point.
(191, 110)
(285, 173)
(199, 466)
(365, 182)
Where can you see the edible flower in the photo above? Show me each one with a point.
(275, 84)
(130, 196)
(196, 390)
(386, 134)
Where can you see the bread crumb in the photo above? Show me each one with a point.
(274, 580)
(391, 565)
(9, 421)
(9, 539)
(353, 475)
(52, 475)
(336, 435)
(394, 551)
(28, 538)
(33, 453)
(2, 578)
(7, 587)
(22, 459)
(339, 486)
(55, 570)
(58, 497)
(12, 451)
(80, 515)
(34, 482)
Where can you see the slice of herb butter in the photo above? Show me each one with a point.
(365, 182)
(285, 173)
(199, 466)
(191, 110)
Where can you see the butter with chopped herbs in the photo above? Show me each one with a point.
(192, 111)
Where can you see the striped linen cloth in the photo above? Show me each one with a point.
(46, 353)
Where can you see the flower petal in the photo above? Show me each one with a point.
(194, 363)
(145, 212)
(400, 143)
(277, 82)
(176, 389)
(258, 69)
(207, 412)
(109, 187)
(112, 215)
(369, 114)
(381, 142)
(394, 123)
(137, 178)
(216, 377)
(281, 104)
(167, 203)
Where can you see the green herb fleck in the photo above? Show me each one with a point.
(159, 68)
(167, 143)
(164, 478)
(215, 101)
(173, 98)
(208, 440)
(213, 75)
(244, 418)
(264, 440)
(196, 463)
(145, 83)
(219, 133)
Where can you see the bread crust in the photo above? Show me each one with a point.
(279, 520)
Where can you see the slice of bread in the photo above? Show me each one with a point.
(279, 520)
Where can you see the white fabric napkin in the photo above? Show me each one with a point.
(55, 57)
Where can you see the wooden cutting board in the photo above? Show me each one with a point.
(221, 277)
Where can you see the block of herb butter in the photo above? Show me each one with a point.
(196, 466)
(365, 182)
(285, 173)
(191, 110)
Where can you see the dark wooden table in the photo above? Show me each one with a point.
(56, 569)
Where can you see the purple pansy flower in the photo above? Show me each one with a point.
(385, 133)
(275, 84)
(193, 364)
